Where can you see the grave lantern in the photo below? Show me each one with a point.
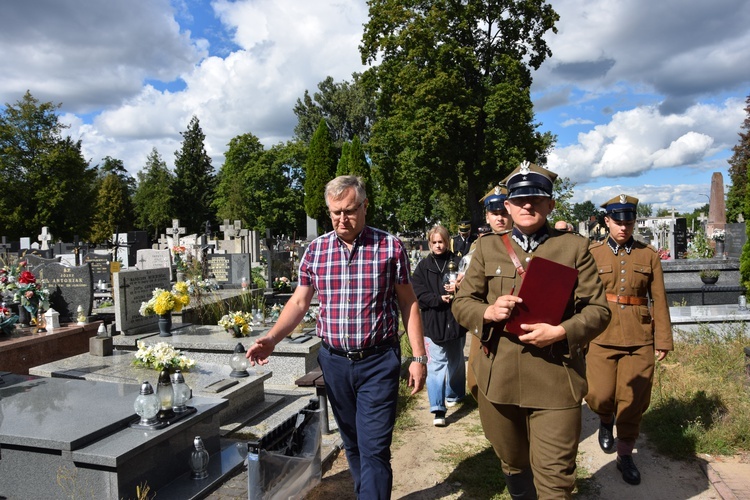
(166, 396)
(181, 392)
(238, 362)
(147, 405)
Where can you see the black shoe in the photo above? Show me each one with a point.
(606, 438)
(521, 485)
(629, 471)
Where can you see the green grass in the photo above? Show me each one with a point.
(701, 399)
(700, 404)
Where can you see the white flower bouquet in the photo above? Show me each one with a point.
(161, 356)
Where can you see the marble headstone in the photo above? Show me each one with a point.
(69, 287)
(154, 259)
(131, 288)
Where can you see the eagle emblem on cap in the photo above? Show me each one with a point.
(623, 199)
(497, 190)
(525, 167)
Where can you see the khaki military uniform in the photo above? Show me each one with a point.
(524, 387)
(621, 359)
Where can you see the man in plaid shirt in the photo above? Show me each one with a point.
(361, 275)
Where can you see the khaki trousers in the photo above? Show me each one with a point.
(620, 381)
(544, 440)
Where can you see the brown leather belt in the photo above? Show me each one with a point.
(630, 300)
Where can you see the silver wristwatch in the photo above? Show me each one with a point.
(420, 359)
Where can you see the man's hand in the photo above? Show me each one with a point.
(542, 334)
(260, 351)
(417, 376)
(660, 354)
(501, 309)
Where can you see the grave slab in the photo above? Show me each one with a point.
(211, 343)
(206, 379)
(48, 427)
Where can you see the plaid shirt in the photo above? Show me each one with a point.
(356, 290)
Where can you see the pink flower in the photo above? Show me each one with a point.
(30, 294)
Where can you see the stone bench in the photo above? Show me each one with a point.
(314, 378)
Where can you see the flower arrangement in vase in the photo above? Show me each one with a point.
(161, 356)
(32, 295)
(164, 302)
(238, 323)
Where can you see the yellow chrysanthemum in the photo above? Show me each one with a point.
(164, 303)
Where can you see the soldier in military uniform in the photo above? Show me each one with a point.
(499, 221)
(461, 243)
(530, 387)
(621, 360)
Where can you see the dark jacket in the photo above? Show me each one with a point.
(437, 318)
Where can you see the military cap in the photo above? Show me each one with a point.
(621, 207)
(494, 200)
(529, 179)
(464, 226)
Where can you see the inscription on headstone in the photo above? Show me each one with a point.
(131, 288)
(220, 267)
(99, 267)
(154, 259)
(680, 238)
(69, 287)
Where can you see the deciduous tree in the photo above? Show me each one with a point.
(454, 108)
(738, 169)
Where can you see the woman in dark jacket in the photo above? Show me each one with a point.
(444, 337)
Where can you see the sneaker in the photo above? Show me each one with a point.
(450, 404)
(439, 420)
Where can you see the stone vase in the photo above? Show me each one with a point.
(24, 316)
(719, 254)
(709, 280)
(165, 325)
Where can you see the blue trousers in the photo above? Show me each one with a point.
(363, 396)
(446, 372)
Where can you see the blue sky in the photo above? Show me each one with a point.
(644, 97)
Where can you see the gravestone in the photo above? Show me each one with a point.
(131, 288)
(45, 238)
(175, 231)
(735, 239)
(69, 287)
(312, 228)
(680, 238)
(34, 262)
(154, 259)
(99, 263)
(228, 269)
(717, 211)
(119, 249)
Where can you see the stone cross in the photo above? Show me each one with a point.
(229, 230)
(45, 237)
(163, 242)
(176, 231)
(77, 247)
(4, 246)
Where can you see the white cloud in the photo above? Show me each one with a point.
(641, 139)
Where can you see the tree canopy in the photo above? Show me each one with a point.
(195, 180)
(153, 196)
(739, 165)
(454, 109)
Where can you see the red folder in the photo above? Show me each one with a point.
(546, 289)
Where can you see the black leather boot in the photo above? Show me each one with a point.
(629, 471)
(606, 437)
(521, 485)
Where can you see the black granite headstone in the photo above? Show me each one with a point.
(680, 238)
(99, 267)
(69, 288)
(220, 268)
(34, 261)
(735, 239)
